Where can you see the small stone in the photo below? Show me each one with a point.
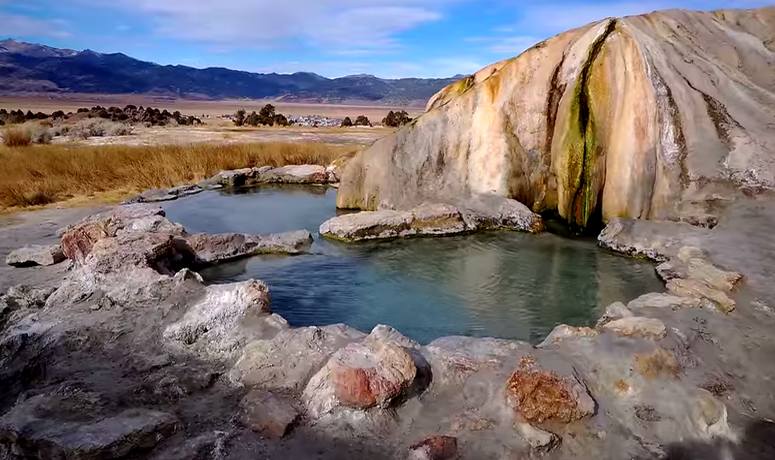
(538, 395)
(615, 311)
(637, 326)
(268, 414)
(32, 255)
(563, 332)
(434, 448)
(539, 440)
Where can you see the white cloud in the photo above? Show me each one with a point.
(24, 26)
(340, 24)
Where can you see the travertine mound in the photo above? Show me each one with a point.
(659, 116)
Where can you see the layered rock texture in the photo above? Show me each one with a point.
(659, 116)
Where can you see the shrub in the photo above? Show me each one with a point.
(362, 120)
(396, 119)
(94, 127)
(346, 123)
(17, 137)
(280, 120)
(239, 117)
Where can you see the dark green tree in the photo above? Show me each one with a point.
(239, 117)
(362, 120)
(346, 123)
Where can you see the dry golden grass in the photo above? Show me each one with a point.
(17, 136)
(42, 174)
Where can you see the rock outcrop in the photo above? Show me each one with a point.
(659, 116)
(36, 255)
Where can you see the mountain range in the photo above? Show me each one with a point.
(33, 68)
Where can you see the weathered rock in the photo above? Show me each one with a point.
(297, 174)
(698, 289)
(538, 439)
(24, 296)
(656, 240)
(211, 327)
(267, 414)
(637, 326)
(638, 89)
(657, 364)
(434, 448)
(538, 395)
(287, 361)
(663, 300)
(615, 311)
(485, 213)
(77, 240)
(153, 224)
(455, 359)
(63, 426)
(493, 212)
(710, 416)
(36, 255)
(213, 249)
(563, 332)
(158, 195)
(361, 375)
(164, 253)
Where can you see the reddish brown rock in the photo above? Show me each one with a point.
(361, 375)
(78, 242)
(538, 395)
(434, 448)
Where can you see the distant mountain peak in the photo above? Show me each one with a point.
(56, 70)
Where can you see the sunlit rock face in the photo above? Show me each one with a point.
(652, 117)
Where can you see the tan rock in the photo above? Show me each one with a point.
(637, 326)
(659, 363)
(616, 310)
(698, 289)
(268, 414)
(563, 332)
(663, 300)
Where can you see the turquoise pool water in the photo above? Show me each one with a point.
(499, 284)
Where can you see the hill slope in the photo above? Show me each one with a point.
(26, 67)
(659, 116)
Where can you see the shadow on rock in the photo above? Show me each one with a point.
(757, 443)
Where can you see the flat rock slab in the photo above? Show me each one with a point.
(219, 248)
(33, 255)
(431, 219)
(291, 174)
(46, 427)
(159, 195)
(637, 326)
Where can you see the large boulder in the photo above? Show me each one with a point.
(287, 361)
(620, 118)
(211, 327)
(362, 375)
(77, 240)
(36, 255)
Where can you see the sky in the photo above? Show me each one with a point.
(387, 38)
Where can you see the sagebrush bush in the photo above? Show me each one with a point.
(95, 127)
(17, 136)
(49, 173)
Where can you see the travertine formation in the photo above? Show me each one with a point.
(660, 116)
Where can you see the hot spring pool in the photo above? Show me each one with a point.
(499, 284)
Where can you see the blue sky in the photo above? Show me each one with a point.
(387, 38)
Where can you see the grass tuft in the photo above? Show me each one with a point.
(17, 137)
(45, 174)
